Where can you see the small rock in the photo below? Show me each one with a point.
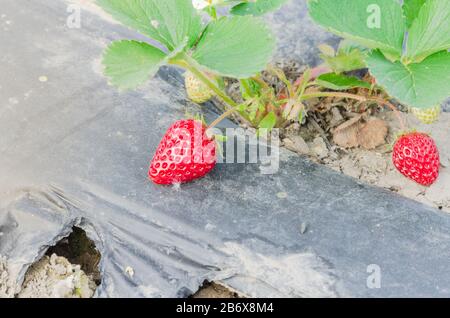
(60, 269)
(349, 167)
(210, 227)
(282, 195)
(53, 259)
(289, 144)
(293, 129)
(296, 144)
(438, 193)
(303, 228)
(336, 118)
(334, 156)
(130, 271)
(319, 148)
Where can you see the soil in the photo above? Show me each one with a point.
(68, 270)
(7, 287)
(215, 290)
(357, 140)
(78, 249)
(56, 277)
(374, 166)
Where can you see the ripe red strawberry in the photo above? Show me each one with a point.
(184, 154)
(416, 156)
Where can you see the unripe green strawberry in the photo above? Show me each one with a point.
(197, 91)
(427, 115)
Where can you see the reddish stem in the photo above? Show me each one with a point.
(315, 73)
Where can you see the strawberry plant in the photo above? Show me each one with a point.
(407, 52)
(267, 107)
(183, 40)
(197, 91)
(408, 44)
(237, 46)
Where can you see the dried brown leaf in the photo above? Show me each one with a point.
(346, 135)
(372, 134)
(351, 122)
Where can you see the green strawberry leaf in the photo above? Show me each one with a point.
(430, 31)
(249, 88)
(166, 21)
(346, 62)
(130, 63)
(411, 9)
(236, 46)
(358, 21)
(268, 122)
(420, 85)
(340, 82)
(257, 7)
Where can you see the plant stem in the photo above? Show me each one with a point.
(229, 112)
(184, 60)
(334, 94)
(315, 72)
(192, 66)
(245, 86)
(393, 108)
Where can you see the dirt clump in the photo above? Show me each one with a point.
(70, 269)
(215, 290)
(56, 277)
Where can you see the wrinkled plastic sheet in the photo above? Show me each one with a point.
(74, 151)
